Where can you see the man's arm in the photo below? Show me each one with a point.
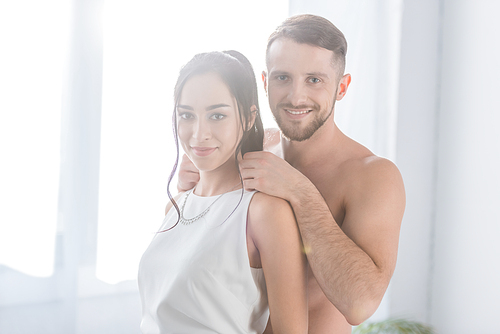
(352, 265)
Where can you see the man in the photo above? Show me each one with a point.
(348, 202)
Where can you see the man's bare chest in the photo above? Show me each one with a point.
(333, 188)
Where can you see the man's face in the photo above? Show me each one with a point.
(302, 87)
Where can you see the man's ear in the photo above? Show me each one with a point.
(344, 83)
(264, 80)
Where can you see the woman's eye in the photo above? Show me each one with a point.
(185, 115)
(217, 117)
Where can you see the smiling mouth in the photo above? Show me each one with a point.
(298, 112)
(203, 151)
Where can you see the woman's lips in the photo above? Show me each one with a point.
(203, 151)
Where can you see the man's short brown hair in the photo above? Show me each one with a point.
(316, 31)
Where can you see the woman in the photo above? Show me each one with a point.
(204, 271)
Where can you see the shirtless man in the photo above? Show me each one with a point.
(348, 202)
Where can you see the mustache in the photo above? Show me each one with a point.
(286, 105)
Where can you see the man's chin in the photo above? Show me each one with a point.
(298, 136)
(291, 133)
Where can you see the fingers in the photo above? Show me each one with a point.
(187, 165)
(258, 160)
(250, 183)
(185, 186)
(253, 174)
(189, 175)
(258, 155)
(267, 173)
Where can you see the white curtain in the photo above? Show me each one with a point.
(32, 39)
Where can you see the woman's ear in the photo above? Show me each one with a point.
(253, 114)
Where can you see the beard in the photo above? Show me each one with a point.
(294, 133)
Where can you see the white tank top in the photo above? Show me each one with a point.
(197, 278)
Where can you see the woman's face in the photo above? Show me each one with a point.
(208, 122)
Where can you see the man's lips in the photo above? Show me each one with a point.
(203, 151)
(298, 111)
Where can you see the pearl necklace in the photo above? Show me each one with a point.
(187, 221)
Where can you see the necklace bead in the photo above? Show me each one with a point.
(187, 221)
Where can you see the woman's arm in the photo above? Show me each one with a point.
(273, 230)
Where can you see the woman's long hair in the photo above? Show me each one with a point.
(237, 73)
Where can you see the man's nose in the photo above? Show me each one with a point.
(297, 94)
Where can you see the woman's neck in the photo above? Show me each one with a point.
(221, 180)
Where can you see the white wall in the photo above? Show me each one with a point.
(449, 155)
(467, 252)
(416, 156)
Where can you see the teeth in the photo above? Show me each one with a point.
(297, 112)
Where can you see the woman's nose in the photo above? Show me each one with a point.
(201, 131)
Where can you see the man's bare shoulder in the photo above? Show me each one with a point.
(359, 163)
(372, 187)
(369, 167)
(272, 141)
(362, 176)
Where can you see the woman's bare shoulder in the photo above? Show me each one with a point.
(170, 204)
(268, 214)
(266, 203)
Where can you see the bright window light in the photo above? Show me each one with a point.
(32, 35)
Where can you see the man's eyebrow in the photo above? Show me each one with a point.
(215, 106)
(318, 74)
(278, 72)
(314, 74)
(182, 106)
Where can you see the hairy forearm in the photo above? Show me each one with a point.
(350, 279)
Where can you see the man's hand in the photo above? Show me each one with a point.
(189, 176)
(267, 173)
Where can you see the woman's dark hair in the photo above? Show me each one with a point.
(237, 73)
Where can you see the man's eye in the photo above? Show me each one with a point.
(217, 117)
(314, 80)
(282, 77)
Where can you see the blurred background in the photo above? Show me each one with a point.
(86, 145)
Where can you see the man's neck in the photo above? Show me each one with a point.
(323, 145)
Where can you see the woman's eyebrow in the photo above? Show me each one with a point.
(215, 106)
(182, 106)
